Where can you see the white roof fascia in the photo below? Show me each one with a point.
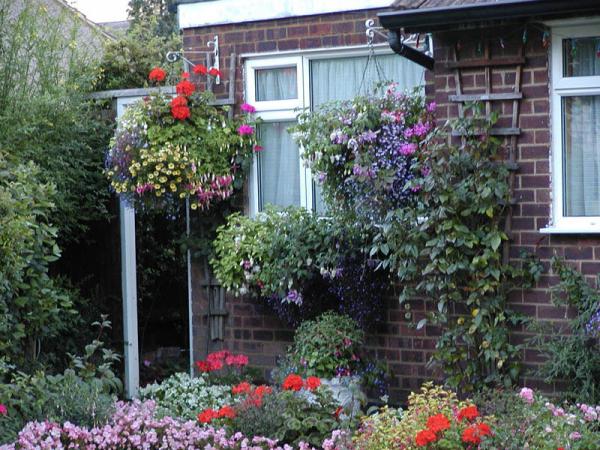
(221, 12)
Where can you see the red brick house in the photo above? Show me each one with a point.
(536, 62)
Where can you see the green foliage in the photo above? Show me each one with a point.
(289, 416)
(573, 358)
(326, 344)
(538, 424)
(128, 59)
(447, 247)
(392, 428)
(45, 75)
(33, 309)
(163, 11)
(181, 396)
(301, 263)
(82, 395)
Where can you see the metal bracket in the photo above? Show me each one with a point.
(413, 40)
(214, 53)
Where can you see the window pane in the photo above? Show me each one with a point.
(581, 144)
(342, 79)
(581, 57)
(279, 166)
(276, 84)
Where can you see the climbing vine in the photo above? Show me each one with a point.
(447, 247)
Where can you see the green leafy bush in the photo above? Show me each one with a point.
(327, 346)
(530, 420)
(435, 419)
(181, 396)
(448, 248)
(289, 416)
(83, 395)
(574, 357)
(33, 309)
(300, 265)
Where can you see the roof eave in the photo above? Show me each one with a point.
(453, 17)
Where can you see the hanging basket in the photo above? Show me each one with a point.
(170, 148)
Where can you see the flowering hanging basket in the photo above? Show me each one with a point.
(168, 148)
(369, 153)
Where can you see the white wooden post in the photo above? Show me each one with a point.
(129, 287)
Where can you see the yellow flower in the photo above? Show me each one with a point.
(193, 206)
(461, 320)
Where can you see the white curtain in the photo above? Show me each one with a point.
(276, 84)
(279, 166)
(342, 79)
(582, 57)
(582, 155)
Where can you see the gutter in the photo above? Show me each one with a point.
(410, 53)
(453, 17)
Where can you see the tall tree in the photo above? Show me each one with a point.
(163, 11)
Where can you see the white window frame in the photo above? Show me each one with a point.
(567, 87)
(283, 110)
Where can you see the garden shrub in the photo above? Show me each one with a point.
(331, 347)
(574, 357)
(529, 420)
(33, 308)
(434, 418)
(300, 265)
(182, 397)
(303, 410)
(83, 395)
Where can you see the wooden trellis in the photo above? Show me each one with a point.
(512, 133)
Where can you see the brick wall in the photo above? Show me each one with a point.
(405, 349)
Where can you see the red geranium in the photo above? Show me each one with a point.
(214, 72)
(242, 388)
(425, 437)
(203, 366)
(313, 383)
(157, 75)
(185, 87)
(261, 390)
(468, 412)
(474, 433)
(208, 415)
(226, 411)
(200, 69)
(179, 108)
(293, 383)
(438, 423)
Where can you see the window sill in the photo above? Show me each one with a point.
(569, 230)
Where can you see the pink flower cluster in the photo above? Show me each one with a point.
(134, 426)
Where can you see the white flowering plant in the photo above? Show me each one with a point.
(181, 396)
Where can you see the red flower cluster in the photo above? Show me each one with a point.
(218, 360)
(201, 69)
(468, 412)
(208, 415)
(179, 108)
(425, 437)
(474, 433)
(254, 397)
(157, 75)
(185, 88)
(295, 382)
(439, 423)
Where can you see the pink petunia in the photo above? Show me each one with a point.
(245, 130)
(248, 108)
(3, 410)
